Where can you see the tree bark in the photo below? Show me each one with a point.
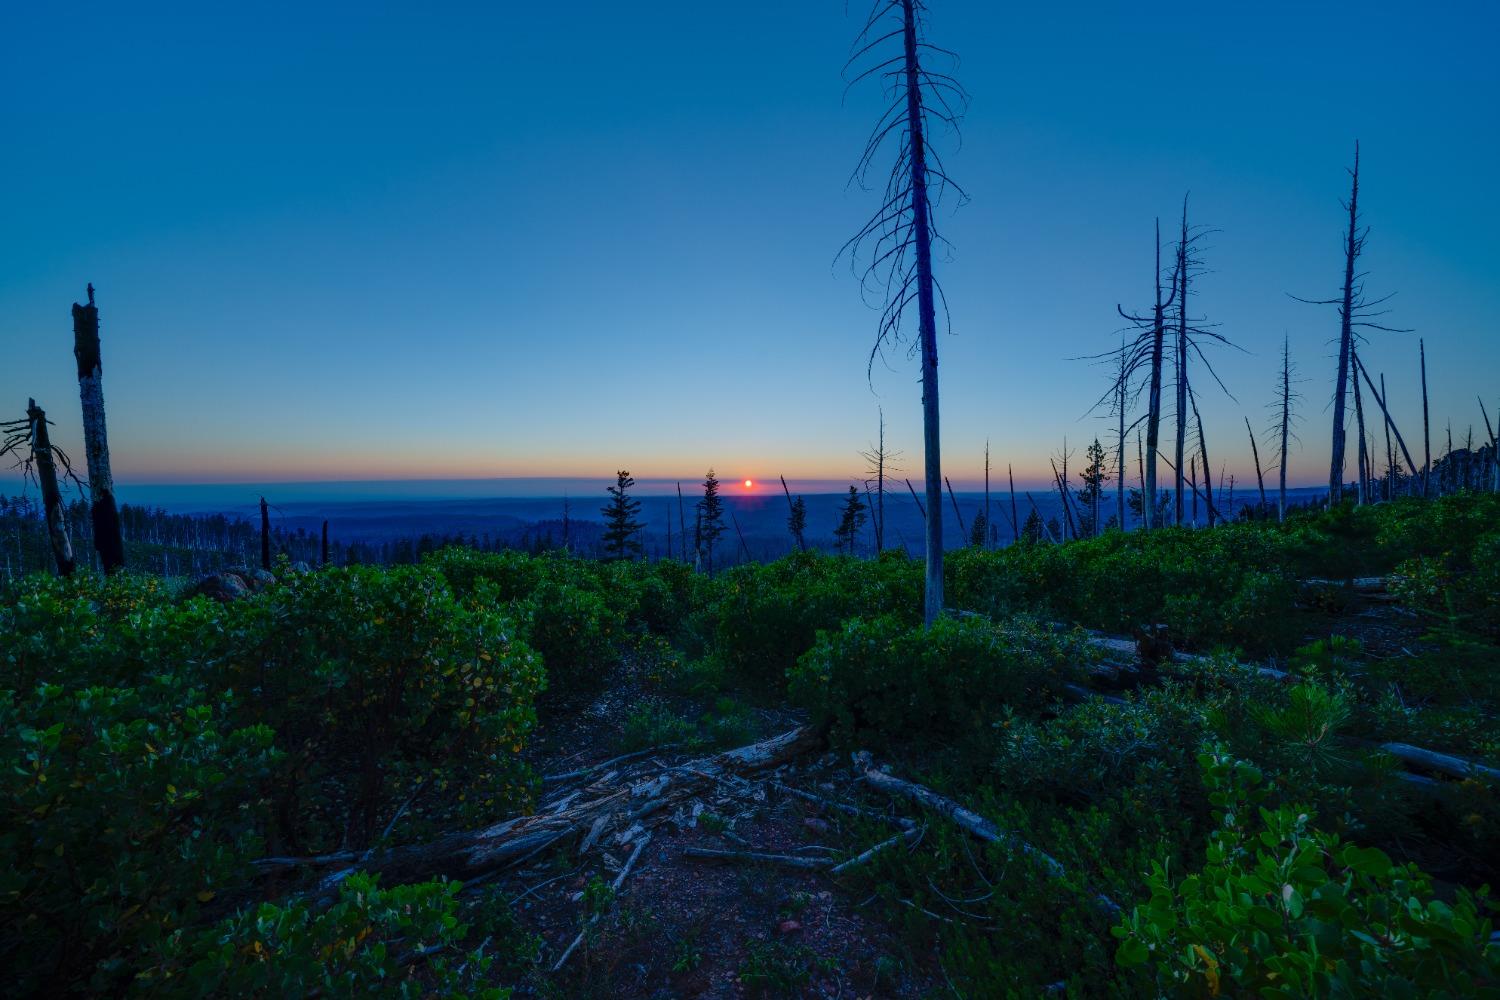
(1260, 480)
(926, 316)
(1426, 427)
(1346, 343)
(265, 536)
(52, 504)
(104, 511)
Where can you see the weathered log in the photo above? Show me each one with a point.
(1358, 584)
(756, 857)
(1430, 760)
(614, 887)
(472, 853)
(966, 819)
(52, 504)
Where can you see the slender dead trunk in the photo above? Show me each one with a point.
(1426, 427)
(1181, 282)
(1361, 495)
(1260, 480)
(1286, 416)
(920, 509)
(1153, 413)
(1062, 494)
(325, 544)
(926, 314)
(1346, 341)
(1390, 455)
(103, 509)
(1208, 474)
(682, 520)
(1193, 484)
(52, 504)
(1120, 459)
(1146, 498)
(987, 529)
(1015, 519)
(265, 535)
(1386, 410)
(791, 509)
(1488, 429)
(962, 533)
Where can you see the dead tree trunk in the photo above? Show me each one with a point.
(1380, 401)
(897, 241)
(920, 509)
(52, 504)
(265, 536)
(956, 512)
(1426, 426)
(1153, 417)
(1015, 519)
(1390, 454)
(1260, 480)
(988, 531)
(1286, 421)
(104, 511)
(1361, 495)
(325, 544)
(1346, 340)
(1208, 474)
(1181, 285)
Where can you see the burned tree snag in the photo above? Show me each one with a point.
(265, 536)
(103, 509)
(46, 474)
(1346, 338)
(325, 544)
(1260, 480)
(1426, 427)
(896, 243)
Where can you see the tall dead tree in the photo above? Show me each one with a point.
(796, 519)
(878, 465)
(1283, 421)
(1015, 520)
(1260, 479)
(1190, 336)
(1148, 351)
(105, 513)
(38, 460)
(896, 243)
(988, 530)
(1361, 495)
(265, 535)
(324, 551)
(1426, 427)
(1355, 314)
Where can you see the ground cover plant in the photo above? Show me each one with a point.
(240, 797)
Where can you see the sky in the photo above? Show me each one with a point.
(401, 241)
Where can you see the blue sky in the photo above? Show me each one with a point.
(425, 241)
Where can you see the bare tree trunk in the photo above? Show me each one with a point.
(105, 513)
(1390, 455)
(1015, 518)
(1346, 341)
(1260, 480)
(920, 509)
(1153, 417)
(52, 504)
(791, 509)
(265, 536)
(325, 544)
(1361, 495)
(956, 512)
(1286, 417)
(1062, 494)
(988, 531)
(1181, 281)
(1494, 448)
(1426, 427)
(1148, 501)
(1389, 420)
(880, 490)
(926, 315)
(1120, 459)
(1208, 474)
(1193, 485)
(682, 520)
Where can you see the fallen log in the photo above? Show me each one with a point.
(1358, 584)
(614, 887)
(966, 819)
(1431, 760)
(756, 857)
(626, 808)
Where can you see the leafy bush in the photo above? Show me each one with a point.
(766, 616)
(882, 680)
(576, 632)
(1283, 910)
(378, 684)
(126, 812)
(364, 945)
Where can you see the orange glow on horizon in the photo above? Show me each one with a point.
(749, 484)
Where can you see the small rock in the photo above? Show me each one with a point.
(221, 587)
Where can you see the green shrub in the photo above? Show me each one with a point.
(766, 616)
(378, 684)
(576, 632)
(881, 680)
(364, 945)
(1283, 910)
(126, 813)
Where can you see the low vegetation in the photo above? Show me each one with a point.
(182, 773)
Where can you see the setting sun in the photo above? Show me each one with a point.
(748, 484)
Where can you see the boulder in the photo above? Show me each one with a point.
(221, 587)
